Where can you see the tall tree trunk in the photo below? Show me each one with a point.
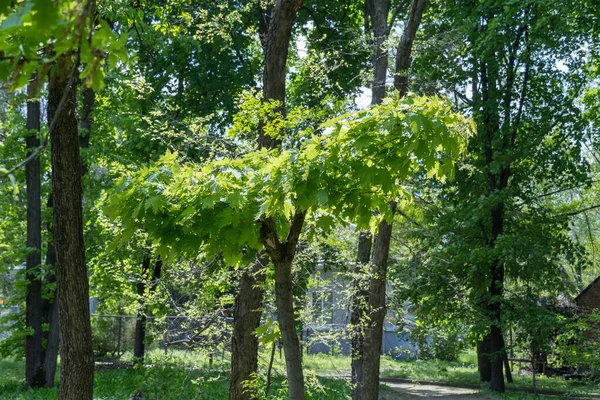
(275, 32)
(377, 13)
(287, 324)
(282, 255)
(483, 359)
(77, 362)
(496, 292)
(246, 318)
(142, 320)
(366, 363)
(34, 368)
(366, 346)
(50, 311)
(276, 52)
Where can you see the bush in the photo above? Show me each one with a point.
(434, 342)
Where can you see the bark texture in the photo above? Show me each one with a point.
(367, 341)
(282, 255)
(276, 45)
(275, 32)
(483, 359)
(404, 50)
(244, 343)
(77, 363)
(34, 361)
(376, 14)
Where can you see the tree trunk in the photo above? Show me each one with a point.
(246, 318)
(51, 354)
(77, 362)
(366, 343)
(377, 13)
(496, 293)
(139, 347)
(483, 359)
(404, 51)
(34, 368)
(365, 352)
(140, 322)
(366, 362)
(282, 255)
(287, 325)
(50, 312)
(276, 47)
(275, 32)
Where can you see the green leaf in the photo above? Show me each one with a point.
(322, 197)
(155, 202)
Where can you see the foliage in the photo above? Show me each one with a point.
(505, 68)
(440, 343)
(346, 173)
(577, 345)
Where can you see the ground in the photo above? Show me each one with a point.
(401, 391)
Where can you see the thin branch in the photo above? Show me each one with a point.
(573, 213)
(395, 13)
(44, 144)
(78, 32)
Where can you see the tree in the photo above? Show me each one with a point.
(369, 304)
(34, 370)
(528, 144)
(77, 361)
(24, 29)
(221, 207)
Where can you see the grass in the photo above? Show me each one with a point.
(179, 374)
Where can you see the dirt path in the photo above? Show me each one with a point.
(401, 391)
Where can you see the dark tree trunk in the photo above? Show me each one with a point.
(139, 347)
(287, 325)
(276, 45)
(496, 293)
(77, 362)
(50, 306)
(34, 368)
(377, 13)
(507, 371)
(246, 318)
(50, 312)
(140, 323)
(404, 51)
(483, 359)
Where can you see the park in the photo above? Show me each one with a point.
(299, 199)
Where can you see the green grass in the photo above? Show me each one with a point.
(179, 374)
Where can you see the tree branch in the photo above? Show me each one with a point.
(573, 213)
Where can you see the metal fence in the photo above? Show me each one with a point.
(114, 335)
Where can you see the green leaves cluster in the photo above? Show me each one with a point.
(358, 165)
(34, 33)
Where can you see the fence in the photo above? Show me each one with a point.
(115, 334)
